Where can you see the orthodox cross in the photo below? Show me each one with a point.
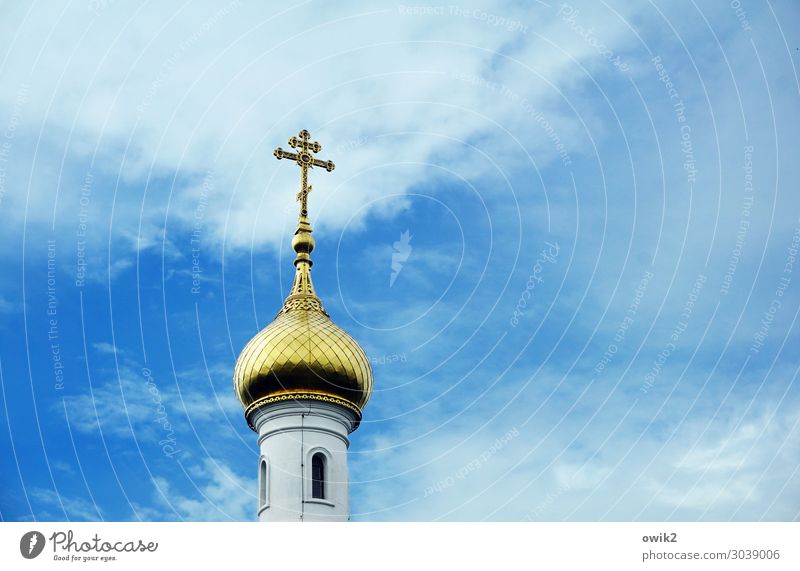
(305, 160)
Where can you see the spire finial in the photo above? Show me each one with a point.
(303, 242)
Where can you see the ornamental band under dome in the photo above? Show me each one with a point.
(303, 383)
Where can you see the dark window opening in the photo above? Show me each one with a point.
(318, 476)
(262, 488)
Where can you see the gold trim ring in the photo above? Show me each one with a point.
(300, 395)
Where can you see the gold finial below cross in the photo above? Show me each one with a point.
(305, 160)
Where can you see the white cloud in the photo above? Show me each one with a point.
(140, 404)
(220, 495)
(49, 505)
(105, 347)
(722, 462)
(150, 94)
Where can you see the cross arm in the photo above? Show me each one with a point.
(281, 154)
(327, 165)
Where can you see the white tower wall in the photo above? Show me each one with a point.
(290, 433)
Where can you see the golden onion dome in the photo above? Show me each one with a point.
(302, 354)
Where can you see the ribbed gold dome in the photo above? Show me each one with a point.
(302, 354)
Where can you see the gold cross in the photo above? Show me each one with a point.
(305, 160)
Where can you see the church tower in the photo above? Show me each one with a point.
(303, 383)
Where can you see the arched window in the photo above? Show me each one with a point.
(318, 476)
(262, 483)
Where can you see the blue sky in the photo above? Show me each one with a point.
(597, 315)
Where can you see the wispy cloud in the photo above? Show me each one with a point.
(53, 506)
(218, 494)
